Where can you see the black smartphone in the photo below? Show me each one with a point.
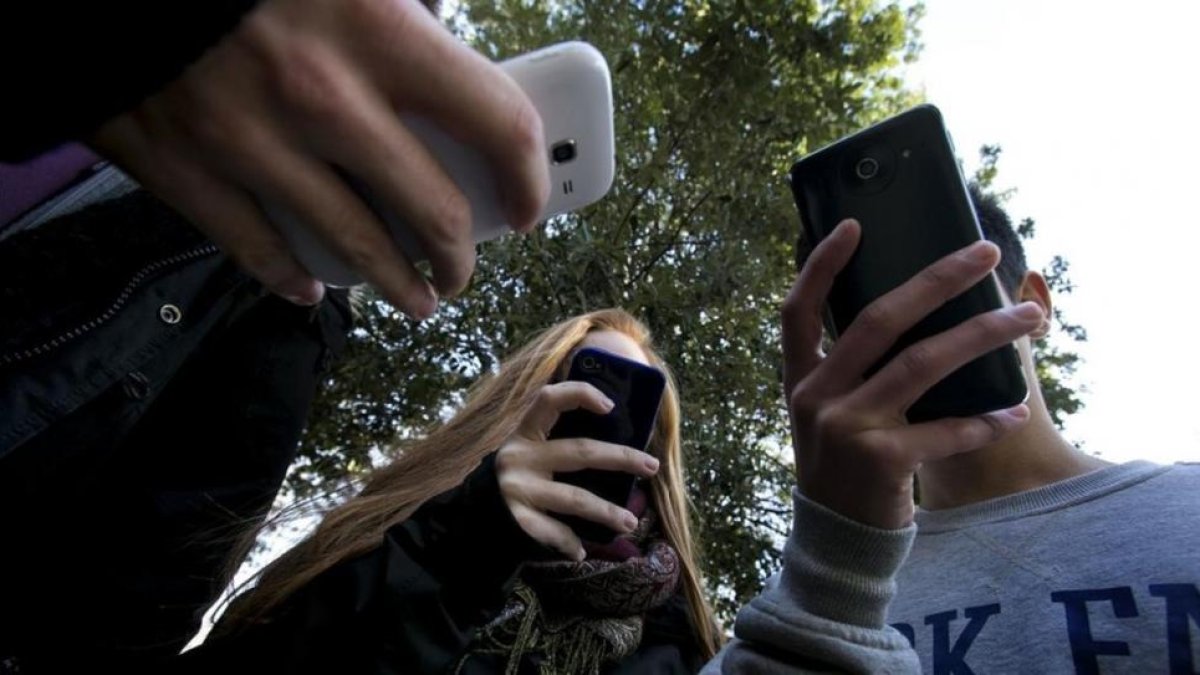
(901, 181)
(636, 391)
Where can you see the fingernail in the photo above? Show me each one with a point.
(608, 403)
(981, 251)
(629, 521)
(426, 305)
(1018, 413)
(580, 554)
(518, 216)
(651, 464)
(304, 293)
(1027, 311)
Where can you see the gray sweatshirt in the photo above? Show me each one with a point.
(1098, 573)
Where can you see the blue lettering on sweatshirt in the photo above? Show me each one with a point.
(951, 660)
(1183, 609)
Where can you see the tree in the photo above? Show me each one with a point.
(715, 100)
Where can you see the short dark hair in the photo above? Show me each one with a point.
(997, 228)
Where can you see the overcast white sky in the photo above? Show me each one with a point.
(1095, 107)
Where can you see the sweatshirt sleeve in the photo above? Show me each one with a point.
(826, 609)
(66, 67)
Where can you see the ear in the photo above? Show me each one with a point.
(1034, 289)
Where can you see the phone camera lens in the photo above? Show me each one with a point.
(867, 168)
(590, 363)
(563, 151)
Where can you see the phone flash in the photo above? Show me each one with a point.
(906, 153)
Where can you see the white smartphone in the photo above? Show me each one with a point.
(570, 86)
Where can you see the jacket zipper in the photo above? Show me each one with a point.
(104, 317)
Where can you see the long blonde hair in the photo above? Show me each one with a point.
(441, 460)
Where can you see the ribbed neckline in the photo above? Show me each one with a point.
(1049, 498)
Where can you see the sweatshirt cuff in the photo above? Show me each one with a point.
(839, 569)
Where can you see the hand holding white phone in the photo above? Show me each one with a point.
(570, 86)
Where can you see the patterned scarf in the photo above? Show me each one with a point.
(575, 617)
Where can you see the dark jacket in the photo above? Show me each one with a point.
(412, 604)
(68, 67)
(151, 399)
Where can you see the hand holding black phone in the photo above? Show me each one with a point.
(902, 183)
(636, 392)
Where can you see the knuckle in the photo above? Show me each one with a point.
(449, 218)
(985, 328)
(213, 128)
(254, 34)
(504, 460)
(828, 421)
(881, 450)
(793, 306)
(586, 452)
(939, 277)
(999, 322)
(525, 132)
(877, 317)
(262, 259)
(375, 20)
(525, 519)
(450, 278)
(458, 273)
(361, 251)
(613, 513)
(361, 13)
(577, 499)
(803, 403)
(509, 458)
(989, 427)
(987, 331)
(524, 143)
(544, 396)
(630, 456)
(507, 482)
(884, 448)
(918, 359)
(448, 234)
(310, 80)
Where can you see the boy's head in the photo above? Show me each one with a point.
(998, 229)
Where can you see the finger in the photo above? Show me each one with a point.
(555, 497)
(555, 399)
(930, 441)
(477, 103)
(805, 303)
(905, 378)
(358, 131)
(549, 531)
(225, 214)
(261, 159)
(881, 323)
(577, 454)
